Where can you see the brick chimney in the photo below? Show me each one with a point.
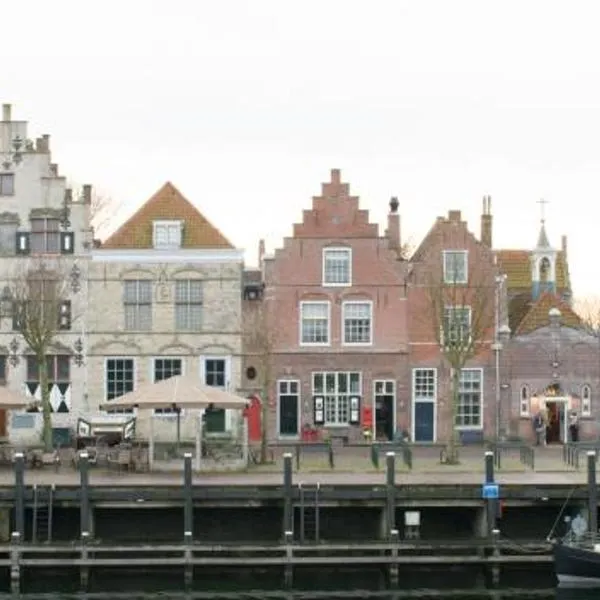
(393, 227)
(86, 192)
(486, 222)
(261, 252)
(564, 246)
(6, 112)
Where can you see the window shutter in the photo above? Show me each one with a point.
(67, 242)
(22, 242)
(64, 315)
(17, 316)
(355, 410)
(319, 410)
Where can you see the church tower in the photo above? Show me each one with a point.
(543, 263)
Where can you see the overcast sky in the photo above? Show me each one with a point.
(247, 105)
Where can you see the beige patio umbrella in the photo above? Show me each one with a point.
(13, 400)
(179, 392)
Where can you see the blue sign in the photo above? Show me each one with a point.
(490, 490)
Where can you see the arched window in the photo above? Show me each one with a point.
(524, 400)
(544, 269)
(586, 400)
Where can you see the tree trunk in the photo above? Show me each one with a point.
(451, 451)
(46, 406)
(264, 426)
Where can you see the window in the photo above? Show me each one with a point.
(119, 379)
(45, 236)
(424, 384)
(336, 389)
(2, 369)
(164, 368)
(64, 315)
(456, 328)
(215, 372)
(188, 305)
(314, 323)
(58, 369)
(455, 266)
(586, 401)
(470, 399)
(137, 300)
(167, 235)
(357, 319)
(337, 266)
(524, 401)
(8, 235)
(7, 184)
(44, 302)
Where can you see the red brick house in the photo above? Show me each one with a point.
(453, 280)
(334, 302)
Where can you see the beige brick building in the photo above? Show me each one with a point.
(165, 295)
(42, 226)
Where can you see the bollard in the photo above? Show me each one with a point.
(84, 572)
(491, 503)
(592, 493)
(390, 491)
(20, 494)
(15, 563)
(188, 500)
(84, 492)
(288, 515)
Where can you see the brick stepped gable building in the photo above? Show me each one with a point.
(334, 304)
(552, 359)
(165, 298)
(41, 227)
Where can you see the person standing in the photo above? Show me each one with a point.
(574, 426)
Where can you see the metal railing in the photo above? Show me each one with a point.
(401, 449)
(501, 449)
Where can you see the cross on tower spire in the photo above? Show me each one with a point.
(542, 204)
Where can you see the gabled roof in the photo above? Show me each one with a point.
(168, 203)
(538, 317)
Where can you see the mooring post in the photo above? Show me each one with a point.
(188, 572)
(288, 515)
(288, 574)
(84, 492)
(496, 554)
(394, 573)
(15, 562)
(84, 571)
(188, 499)
(592, 494)
(491, 502)
(20, 494)
(390, 491)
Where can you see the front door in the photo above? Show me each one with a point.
(288, 400)
(424, 416)
(555, 433)
(384, 418)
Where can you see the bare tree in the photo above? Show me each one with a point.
(461, 312)
(260, 346)
(41, 311)
(102, 209)
(588, 310)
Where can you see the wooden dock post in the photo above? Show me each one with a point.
(288, 574)
(288, 513)
(393, 570)
(84, 570)
(496, 554)
(592, 491)
(15, 562)
(188, 520)
(20, 495)
(491, 503)
(84, 493)
(390, 491)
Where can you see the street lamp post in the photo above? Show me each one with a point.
(497, 348)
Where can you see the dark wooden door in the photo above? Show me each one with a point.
(288, 415)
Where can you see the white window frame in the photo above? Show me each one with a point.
(7, 189)
(287, 381)
(385, 381)
(524, 400)
(227, 387)
(450, 308)
(418, 398)
(449, 276)
(346, 303)
(301, 321)
(124, 411)
(348, 395)
(586, 400)
(168, 224)
(167, 413)
(481, 402)
(348, 252)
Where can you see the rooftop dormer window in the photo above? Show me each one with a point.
(7, 184)
(167, 235)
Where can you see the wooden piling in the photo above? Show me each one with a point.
(15, 563)
(84, 569)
